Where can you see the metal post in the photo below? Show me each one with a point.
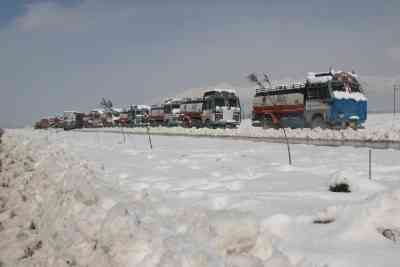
(398, 98)
(148, 133)
(370, 156)
(394, 100)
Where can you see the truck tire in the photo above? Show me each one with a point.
(266, 123)
(208, 124)
(318, 121)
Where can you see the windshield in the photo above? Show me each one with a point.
(355, 87)
(167, 108)
(338, 86)
(346, 82)
(233, 102)
(219, 102)
(341, 86)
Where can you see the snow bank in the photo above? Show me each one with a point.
(378, 128)
(54, 212)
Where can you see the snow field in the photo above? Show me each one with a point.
(96, 201)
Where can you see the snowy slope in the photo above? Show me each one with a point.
(95, 200)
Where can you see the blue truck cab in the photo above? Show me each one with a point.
(335, 100)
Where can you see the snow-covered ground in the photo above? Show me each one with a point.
(97, 199)
(378, 128)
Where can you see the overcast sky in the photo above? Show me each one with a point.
(67, 55)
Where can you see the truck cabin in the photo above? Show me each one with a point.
(172, 107)
(156, 110)
(344, 96)
(191, 110)
(156, 114)
(69, 116)
(73, 120)
(138, 114)
(346, 82)
(192, 105)
(321, 85)
(221, 108)
(215, 99)
(139, 110)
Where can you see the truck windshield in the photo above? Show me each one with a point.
(341, 86)
(233, 102)
(167, 108)
(219, 102)
(356, 87)
(338, 86)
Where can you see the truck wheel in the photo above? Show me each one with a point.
(318, 121)
(264, 123)
(209, 125)
(267, 123)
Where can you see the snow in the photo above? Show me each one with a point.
(378, 128)
(101, 111)
(143, 107)
(312, 78)
(347, 95)
(97, 199)
(354, 181)
(220, 90)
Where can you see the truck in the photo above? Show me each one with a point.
(191, 112)
(172, 112)
(138, 115)
(218, 108)
(73, 120)
(325, 100)
(166, 114)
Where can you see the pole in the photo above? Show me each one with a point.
(394, 100)
(148, 133)
(253, 78)
(369, 160)
(398, 98)
(288, 146)
(123, 133)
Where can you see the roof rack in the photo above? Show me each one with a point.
(282, 87)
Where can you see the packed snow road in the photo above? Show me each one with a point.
(99, 199)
